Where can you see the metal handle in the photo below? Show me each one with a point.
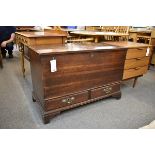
(68, 100)
(107, 90)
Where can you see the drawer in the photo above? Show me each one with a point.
(129, 73)
(66, 101)
(136, 62)
(104, 91)
(136, 53)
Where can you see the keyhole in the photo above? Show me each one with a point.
(91, 55)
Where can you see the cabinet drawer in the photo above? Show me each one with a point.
(136, 62)
(66, 101)
(129, 73)
(136, 53)
(105, 90)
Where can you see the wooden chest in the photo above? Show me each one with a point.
(85, 73)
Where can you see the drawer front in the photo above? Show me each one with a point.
(136, 62)
(66, 101)
(104, 91)
(129, 73)
(136, 53)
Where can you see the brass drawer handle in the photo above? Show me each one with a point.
(107, 90)
(68, 100)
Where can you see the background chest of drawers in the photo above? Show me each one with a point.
(137, 59)
(85, 73)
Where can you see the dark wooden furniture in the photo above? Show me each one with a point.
(1, 62)
(137, 59)
(85, 73)
(26, 39)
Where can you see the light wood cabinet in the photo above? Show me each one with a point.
(137, 59)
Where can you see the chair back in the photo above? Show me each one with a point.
(124, 30)
(109, 28)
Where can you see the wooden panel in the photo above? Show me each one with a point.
(136, 62)
(65, 101)
(134, 72)
(36, 74)
(136, 53)
(82, 71)
(103, 91)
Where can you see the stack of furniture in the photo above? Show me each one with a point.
(146, 36)
(140, 35)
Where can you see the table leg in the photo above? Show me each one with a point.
(21, 49)
(135, 80)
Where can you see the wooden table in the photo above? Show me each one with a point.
(135, 33)
(82, 73)
(27, 39)
(137, 59)
(97, 35)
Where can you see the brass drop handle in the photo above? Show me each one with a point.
(107, 90)
(68, 100)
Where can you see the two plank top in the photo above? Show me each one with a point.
(72, 48)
